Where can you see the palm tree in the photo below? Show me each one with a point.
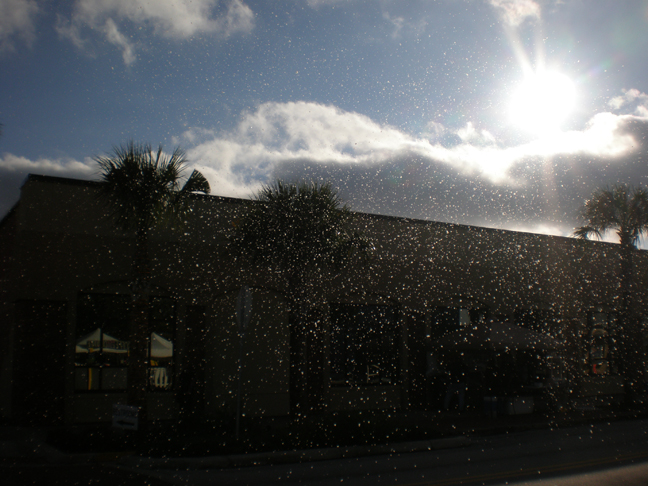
(622, 209)
(142, 188)
(304, 232)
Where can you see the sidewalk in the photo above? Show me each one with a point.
(21, 445)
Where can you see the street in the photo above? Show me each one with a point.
(504, 459)
(72, 475)
(601, 454)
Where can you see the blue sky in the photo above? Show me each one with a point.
(407, 107)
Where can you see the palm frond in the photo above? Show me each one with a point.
(196, 183)
(297, 226)
(585, 232)
(142, 186)
(621, 209)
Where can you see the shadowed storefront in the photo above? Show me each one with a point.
(518, 315)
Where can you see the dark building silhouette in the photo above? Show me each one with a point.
(64, 275)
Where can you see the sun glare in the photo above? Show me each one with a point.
(542, 102)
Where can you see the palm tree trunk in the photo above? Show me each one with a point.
(139, 327)
(306, 351)
(314, 343)
(305, 347)
(297, 348)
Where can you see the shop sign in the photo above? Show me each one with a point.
(125, 417)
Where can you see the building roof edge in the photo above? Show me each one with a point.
(234, 200)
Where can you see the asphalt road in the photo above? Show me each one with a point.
(21, 474)
(602, 454)
(518, 458)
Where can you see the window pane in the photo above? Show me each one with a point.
(102, 342)
(101, 348)
(114, 378)
(601, 344)
(444, 320)
(599, 319)
(162, 324)
(80, 378)
(464, 317)
(538, 320)
(109, 312)
(364, 345)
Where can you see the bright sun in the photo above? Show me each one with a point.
(542, 102)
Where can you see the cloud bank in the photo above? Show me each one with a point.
(167, 18)
(472, 179)
(17, 21)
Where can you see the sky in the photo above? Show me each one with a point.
(497, 113)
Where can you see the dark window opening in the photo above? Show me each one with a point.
(538, 320)
(446, 320)
(162, 325)
(365, 343)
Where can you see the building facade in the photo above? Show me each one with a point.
(65, 302)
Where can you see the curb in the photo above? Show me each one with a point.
(41, 451)
(294, 456)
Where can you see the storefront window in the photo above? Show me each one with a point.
(446, 320)
(601, 345)
(102, 345)
(162, 321)
(101, 349)
(538, 320)
(364, 345)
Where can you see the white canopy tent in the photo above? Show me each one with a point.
(92, 342)
(160, 347)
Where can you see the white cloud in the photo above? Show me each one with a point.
(118, 39)
(600, 139)
(472, 136)
(319, 3)
(515, 12)
(17, 20)
(168, 18)
(633, 100)
(434, 130)
(239, 161)
(15, 164)
(399, 23)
